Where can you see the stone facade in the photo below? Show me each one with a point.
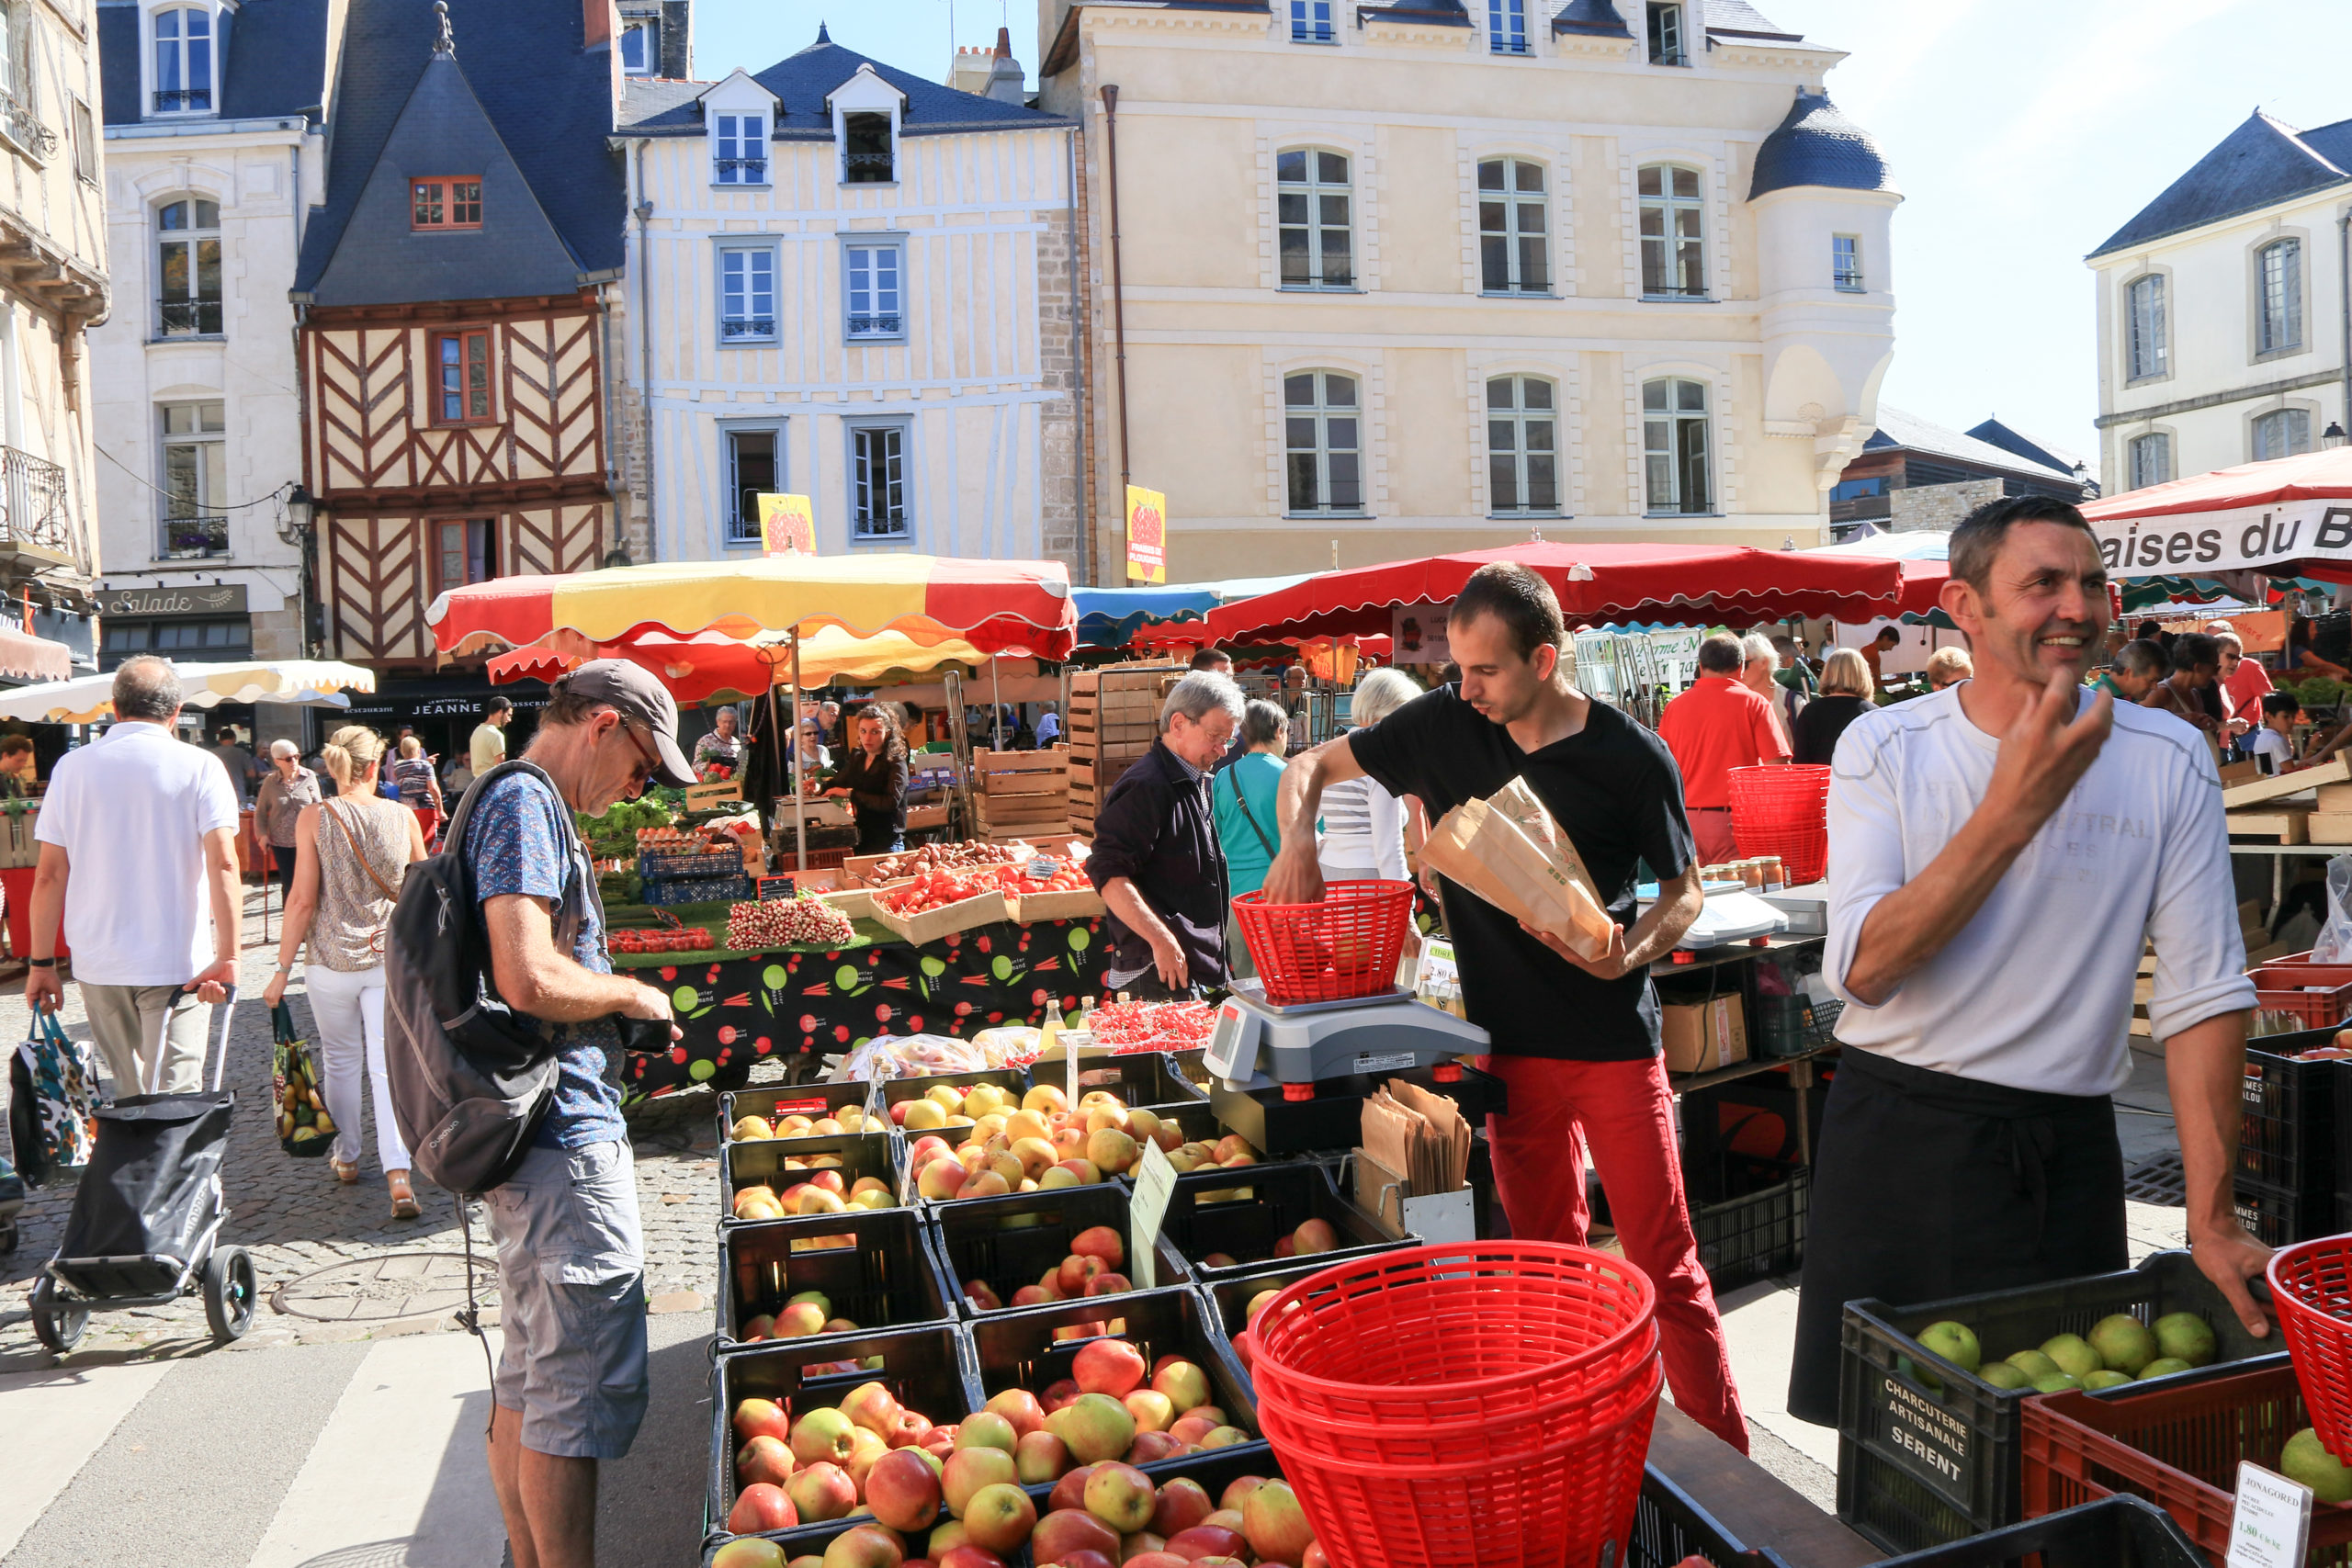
(1939, 507)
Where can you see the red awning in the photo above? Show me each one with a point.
(30, 657)
(1595, 583)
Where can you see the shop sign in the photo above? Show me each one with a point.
(148, 603)
(1146, 534)
(788, 525)
(1417, 635)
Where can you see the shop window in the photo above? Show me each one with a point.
(461, 378)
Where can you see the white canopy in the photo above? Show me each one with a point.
(302, 682)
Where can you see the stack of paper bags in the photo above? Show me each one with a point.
(1508, 851)
(1414, 1144)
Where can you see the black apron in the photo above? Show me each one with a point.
(1929, 1186)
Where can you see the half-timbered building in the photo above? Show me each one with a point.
(452, 294)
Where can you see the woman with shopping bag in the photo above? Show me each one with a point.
(350, 854)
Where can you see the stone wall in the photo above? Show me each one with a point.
(1939, 507)
(1058, 345)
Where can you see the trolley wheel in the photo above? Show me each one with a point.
(59, 1325)
(229, 1293)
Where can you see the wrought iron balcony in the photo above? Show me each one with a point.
(189, 318)
(24, 128)
(741, 171)
(36, 517)
(869, 169)
(182, 99)
(747, 326)
(875, 326)
(194, 539)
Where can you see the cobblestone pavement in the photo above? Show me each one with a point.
(296, 1219)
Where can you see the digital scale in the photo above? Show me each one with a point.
(1731, 913)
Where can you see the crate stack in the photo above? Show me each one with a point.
(1020, 795)
(1113, 717)
(693, 875)
(2286, 809)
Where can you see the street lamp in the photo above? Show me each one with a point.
(294, 514)
(2333, 435)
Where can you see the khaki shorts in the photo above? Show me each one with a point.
(572, 1301)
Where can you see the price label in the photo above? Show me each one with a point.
(2271, 1525)
(1044, 867)
(1155, 1184)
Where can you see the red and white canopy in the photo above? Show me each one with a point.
(2288, 517)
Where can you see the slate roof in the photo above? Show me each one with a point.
(1909, 432)
(1600, 16)
(801, 84)
(1740, 19)
(2009, 439)
(544, 101)
(2262, 161)
(1428, 13)
(274, 55)
(1815, 145)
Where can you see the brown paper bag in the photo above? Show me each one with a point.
(1517, 801)
(1482, 849)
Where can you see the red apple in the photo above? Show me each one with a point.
(823, 1434)
(1040, 1457)
(763, 1458)
(969, 1556)
(830, 1179)
(873, 1406)
(946, 1537)
(998, 1517)
(1108, 1366)
(799, 1320)
(1275, 1524)
(1219, 1260)
(1192, 1428)
(1066, 1531)
(1059, 1392)
(1109, 1285)
(761, 1506)
(1182, 1503)
(1076, 1270)
(1315, 1236)
(761, 1326)
(1070, 1492)
(970, 1469)
(1121, 1496)
(1151, 1408)
(864, 1546)
(1037, 1296)
(822, 1492)
(979, 1293)
(1103, 1242)
(939, 1442)
(755, 1417)
(1184, 1384)
(1316, 1557)
(903, 1490)
(1286, 1246)
(907, 1430)
(1156, 1559)
(987, 1429)
(1020, 1408)
(1207, 1540)
(1149, 1447)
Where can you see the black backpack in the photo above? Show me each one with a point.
(470, 1078)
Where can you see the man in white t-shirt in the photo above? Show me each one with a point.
(1999, 852)
(139, 862)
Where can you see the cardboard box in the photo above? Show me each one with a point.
(1702, 1036)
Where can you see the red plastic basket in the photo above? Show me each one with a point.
(1784, 810)
(2319, 995)
(2311, 1291)
(1514, 1382)
(1345, 946)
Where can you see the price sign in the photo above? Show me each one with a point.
(1155, 1181)
(1074, 1041)
(2272, 1522)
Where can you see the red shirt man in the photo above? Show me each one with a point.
(1716, 725)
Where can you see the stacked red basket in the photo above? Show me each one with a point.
(1514, 1383)
(2311, 1291)
(1346, 946)
(1784, 810)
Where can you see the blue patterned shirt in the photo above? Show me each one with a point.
(515, 844)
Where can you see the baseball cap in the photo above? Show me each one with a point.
(636, 695)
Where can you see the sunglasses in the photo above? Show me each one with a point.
(652, 759)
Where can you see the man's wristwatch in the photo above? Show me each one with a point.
(42, 963)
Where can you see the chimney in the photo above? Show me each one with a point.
(971, 71)
(599, 23)
(1005, 76)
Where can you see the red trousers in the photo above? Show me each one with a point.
(1626, 1114)
(1711, 828)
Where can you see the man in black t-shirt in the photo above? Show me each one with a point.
(1575, 1040)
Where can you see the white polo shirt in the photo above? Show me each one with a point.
(130, 811)
(2035, 991)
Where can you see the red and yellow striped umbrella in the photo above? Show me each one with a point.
(1018, 607)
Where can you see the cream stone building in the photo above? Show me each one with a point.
(2224, 314)
(1390, 278)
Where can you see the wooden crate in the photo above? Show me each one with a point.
(2285, 824)
(1020, 793)
(963, 915)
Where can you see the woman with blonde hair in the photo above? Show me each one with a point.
(1846, 693)
(350, 855)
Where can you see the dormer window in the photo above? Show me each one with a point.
(184, 60)
(446, 203)
(739, 151)
(641, 47)
(1665, 35)
(867, 155)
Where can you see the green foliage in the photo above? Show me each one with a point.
(2320, 690)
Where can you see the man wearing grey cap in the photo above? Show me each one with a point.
(570, 1387)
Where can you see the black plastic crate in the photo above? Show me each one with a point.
(1751, 1118)
(889, 1278)
(1333, 1120)
(760, 1161)
(1263, 1203)
(1018, 1348)
(1010, 1241)
(1148, 1078)
(2114, 1532)
(929, 1369)
(2278, 1215)
(1920, 1466)
(701, 890)
(1757, 1229)
(894, 1091)
(1670, 1527)
(2287, 1130)
(810, 1099)
(1230, 1293)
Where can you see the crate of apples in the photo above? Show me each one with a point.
(822, 1191)
(1043, 1144)
(779, 1103)
(773, 1179)
(826, 1273)
(753, 1128)
(1286, 1211)
(1044, 1247)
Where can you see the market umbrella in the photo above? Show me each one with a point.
(1919, 553)
(28, 658)
(2288, 517)
(302, 682)
(1111, 617)
(1594, 582)
(713, 668)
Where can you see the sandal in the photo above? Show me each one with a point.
(404, 1204)
(346, 1172)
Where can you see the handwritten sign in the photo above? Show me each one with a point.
(788, 525)
(1146, 536)
(2272, 1522)
(1155, 1184)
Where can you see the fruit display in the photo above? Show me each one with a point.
(757, 1129)
(864, 1266)
(1091, 1268)
(955, 1495)
(2119, 1349)
(769, 923)
(1039, 1145)
(961, 855)
(614, 836)
(660, 939)
(1152, 1026)
(805, 1316)
(824, 1193)
(2305, 1459)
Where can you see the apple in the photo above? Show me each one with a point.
(757, 1417)
(1207, 1539)
(1077, 1271)
(1065, 1531)
(822, 1434)
(831, 1180)
(762, 1506)
(822, 1492)
(1225, 1437)
(969, 1556)
(799, 1321)
(1151, 1410)
(946, 1537)
(1275, 1524)
(1055, 1180)
(1182, 1503)
(1070, 1492)
(1109, 1285)
(1186, 1384)
(1316, 1557)
(1190, 1428)
(1020, 1408)
(1110, 1149)
(1257, 1305)
(1121, 1496)
(1040, 1457)
(1162, 1559)
(998, 1516)
(981, 1295)
(984, 1184)
(1059, 1392)
(1108, 1366)
(1037, 1296)
(817, 1200)
(865, 1450)
(1096, 1426)
(749, 1552)
(1150, 1446)
(904, 1491)
(988, 1429)
(863, 1546)
(1315, 1236)
(765, 1457)
(1236, 1494)
(873, 1406)
(759, 1327)
(908, 1429)
(939, 1442)
(1087, 1172)
(1086, 1558)
(940, 1179)
(1103, 1242)
(969, 1470)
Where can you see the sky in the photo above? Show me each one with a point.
(2021, 132)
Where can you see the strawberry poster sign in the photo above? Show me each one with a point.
(788, 525)
(1146, 536)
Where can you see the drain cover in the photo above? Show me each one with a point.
(2160, 1181)
(375, 1290)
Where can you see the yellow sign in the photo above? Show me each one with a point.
(788, 525)
(1146, 534)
